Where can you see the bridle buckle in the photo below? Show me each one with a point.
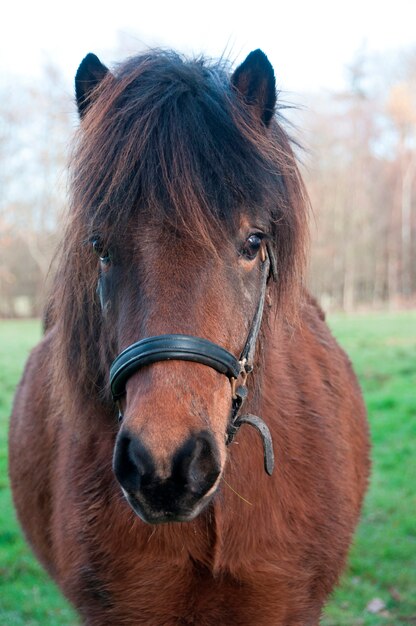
(241, 380)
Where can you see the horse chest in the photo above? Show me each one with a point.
(148, 577)
(163, 594)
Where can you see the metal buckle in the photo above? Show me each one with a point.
(245, 370)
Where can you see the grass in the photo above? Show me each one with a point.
(383, 559)
(27, 596)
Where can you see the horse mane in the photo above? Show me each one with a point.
(167, 141)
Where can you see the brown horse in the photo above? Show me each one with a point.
(188, 215)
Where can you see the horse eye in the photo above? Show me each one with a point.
(105, 260)
(251, 246)
(100, 251)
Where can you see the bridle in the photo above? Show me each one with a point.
(188, 348)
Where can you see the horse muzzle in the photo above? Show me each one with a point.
(176, 493)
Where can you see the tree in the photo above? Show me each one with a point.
(35, 125)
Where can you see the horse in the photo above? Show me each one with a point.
(188, 443)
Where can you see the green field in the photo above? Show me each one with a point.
(383, 559)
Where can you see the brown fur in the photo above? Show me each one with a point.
(264, 551)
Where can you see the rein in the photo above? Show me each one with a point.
(188, 348)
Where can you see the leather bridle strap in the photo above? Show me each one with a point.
(167, 348)
(189, 348)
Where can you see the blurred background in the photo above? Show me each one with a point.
(347, 72)
(350, 69)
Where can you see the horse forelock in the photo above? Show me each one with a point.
(169, 142)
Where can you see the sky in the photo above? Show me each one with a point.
(310, 43)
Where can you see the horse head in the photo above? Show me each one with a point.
(187, 195)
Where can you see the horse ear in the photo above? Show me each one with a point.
(254, 79)
(90, 73)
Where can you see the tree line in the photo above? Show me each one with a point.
(361, 177)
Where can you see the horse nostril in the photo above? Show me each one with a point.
(131, 462)
(196, 464)
(166, 493)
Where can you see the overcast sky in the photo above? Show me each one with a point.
(309, 42)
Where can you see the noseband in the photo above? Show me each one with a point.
(189, 348)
